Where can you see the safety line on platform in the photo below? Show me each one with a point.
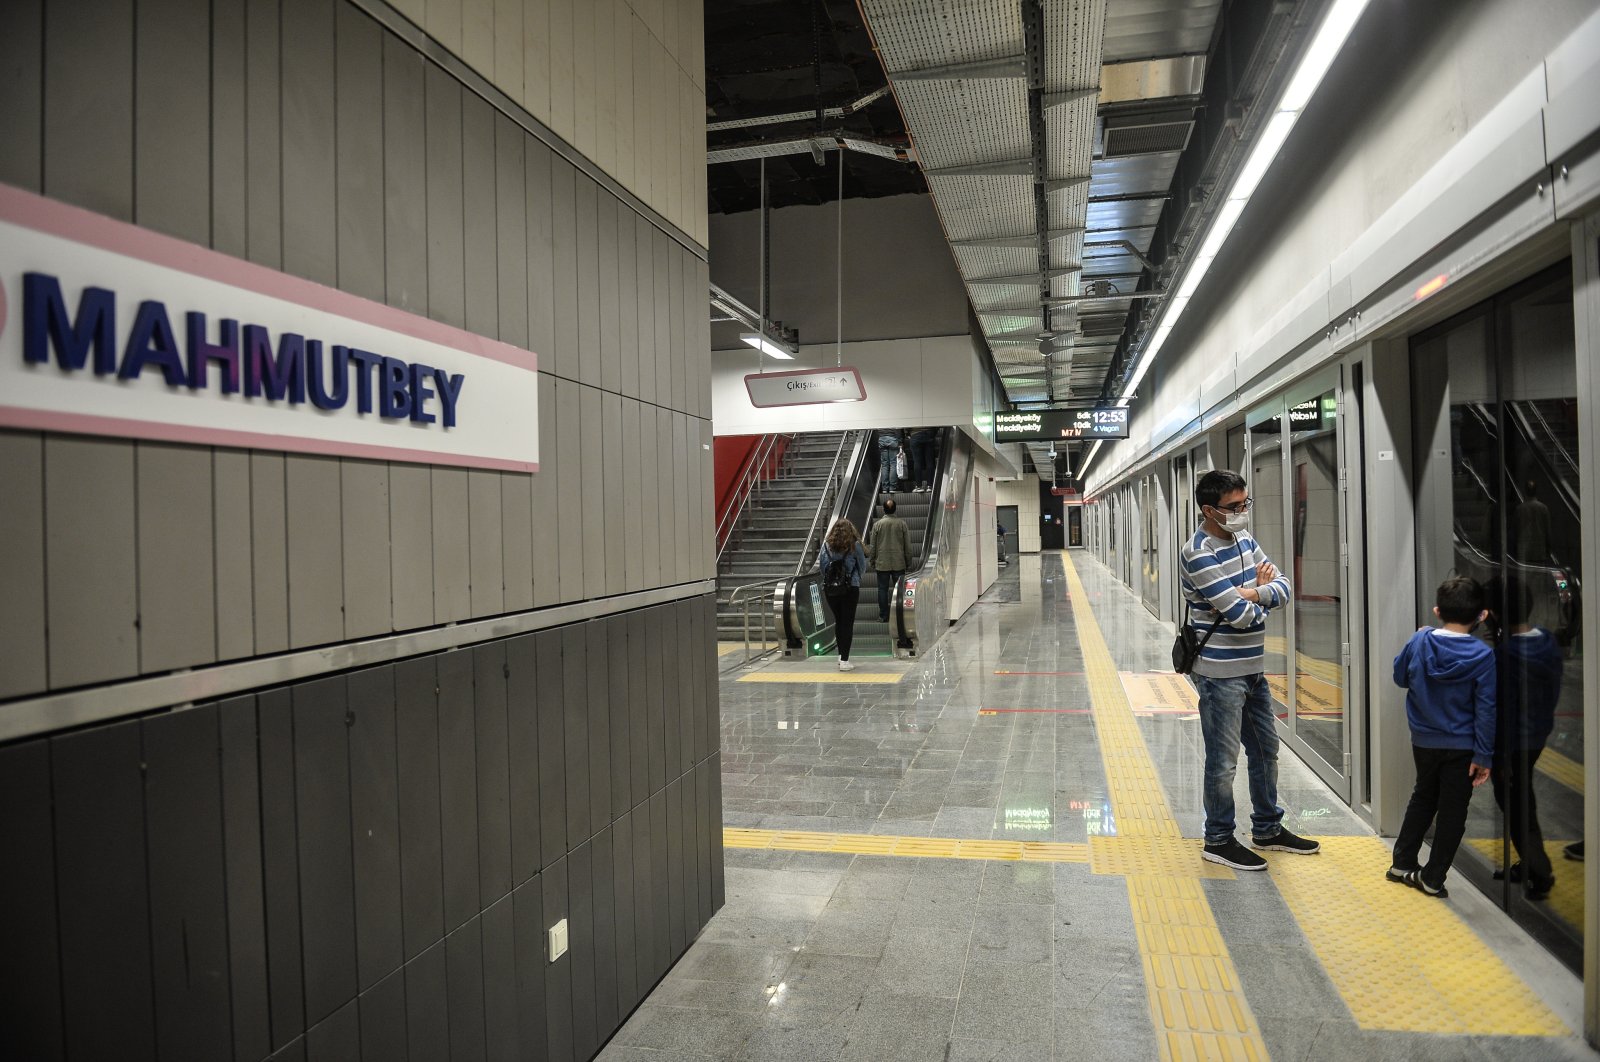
(912, 847)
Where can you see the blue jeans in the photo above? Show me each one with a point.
(1235, 711)
(887, 480)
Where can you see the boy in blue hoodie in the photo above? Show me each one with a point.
(1449, 678)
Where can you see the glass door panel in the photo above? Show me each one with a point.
(1319, 695)
(1269, 517)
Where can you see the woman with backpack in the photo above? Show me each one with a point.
(843, 562)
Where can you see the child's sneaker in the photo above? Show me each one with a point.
(1415, 880)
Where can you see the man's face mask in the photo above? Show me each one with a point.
(1233, 522)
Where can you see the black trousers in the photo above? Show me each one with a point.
(1444, 789)
(1513, 791)
(844, 618)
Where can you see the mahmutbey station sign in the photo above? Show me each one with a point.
(109, 329)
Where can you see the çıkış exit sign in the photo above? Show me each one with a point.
(804, 387)
(1107, 422)
(110, 329)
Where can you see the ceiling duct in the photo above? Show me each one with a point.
(1142, 137)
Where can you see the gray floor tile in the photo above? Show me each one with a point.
(1006, 1001)
(898, 1028)
(1013, 933)
(682, 1031)
(1018, 883)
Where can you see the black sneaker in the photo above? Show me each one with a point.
(1415, 880)
(1231, 853)
(1288, 842)
(1515, 872)
(1574, 851)
(1396, 875)
(1540, 890)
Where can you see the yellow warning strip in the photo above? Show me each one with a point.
(868, 677)
(1566, 898)
(1196, 1000)
(729, 648)
(914, 847)
(1567, 771)
(1403, 961)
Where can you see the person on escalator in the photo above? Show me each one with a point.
(889, 549)
(1529, 663)
(843, 563)
(924, 444)
(889, 442)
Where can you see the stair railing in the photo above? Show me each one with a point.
(742, 597)
(759, 468)
(853, 441)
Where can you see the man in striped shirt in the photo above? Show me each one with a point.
(1230, 584)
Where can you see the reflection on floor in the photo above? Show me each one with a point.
(882, 905)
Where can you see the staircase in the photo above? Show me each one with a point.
(768, 541)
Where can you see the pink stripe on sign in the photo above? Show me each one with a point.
(123, 428)
(96, 230)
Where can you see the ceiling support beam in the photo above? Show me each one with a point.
(1029, 240)
(1011, 66)
(998, 168)
(1026, 278)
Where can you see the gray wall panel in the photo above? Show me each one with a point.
(655, 687)
(230, 486)
(633, 526)
(458, 788)
(564, 247)
(511, 227)
(645, 971)
(617, 693)
(551, 685)
(527, 905)
(327, 872)
(90, 568)
(677, 325)
(269, 544)
(411, 545)
(102, 881)
(710, 821)
(660, 887)
(580, 928)
(360, 154)
(428, 1004)
(383, 1018)
(263, 151)
(627, 974)
(516, 524)
(575, 730)
(30, 964)
(188, 905)
(336, 1038)
(684, 547)
(280, 861)
(596, 485)
(316, 581)
(628, 224)
(172, 115)
(22, 96)
(558, 974)
(452, 574)
(417, 764)
(603, 897)
(649, 462)
(502, 1033)
(661, 248)
(570, 529)
(618, 505)
(368, 568)
(486, 547)
(177, 596)
(375, 825)
(247, 941)
(405, 169)
(464, 953)
(644, 263)
(586, 209)
(522, 754)
(599, 714)
(480, 240)
(718, 887)
(610, 309)
(666, 513)
(446, 247)
(677, 894)
(638, 671)
(494, 772)
(673, 708)
(88, 121)
(310, 215)
(22, 620)
(541, 254)
(546, 497)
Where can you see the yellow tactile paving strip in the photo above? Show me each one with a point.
(915, 847)
(1403, 961)
(1567, 771)
(869, 677)
(1566, 899)
(1196, 1000)
(729, 648)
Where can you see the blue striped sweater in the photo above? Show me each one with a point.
(1214, 571)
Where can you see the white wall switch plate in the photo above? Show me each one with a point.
(558, 940)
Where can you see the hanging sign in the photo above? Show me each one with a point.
(110, 329)
(1107, 422)
(804, 387)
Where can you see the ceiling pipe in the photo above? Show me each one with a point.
(1033, 56)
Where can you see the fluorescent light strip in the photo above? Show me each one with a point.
(765, 345)
(1319, 56)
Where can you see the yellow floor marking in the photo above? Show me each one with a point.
(823, 676)
(914, 847)
(1196, 1000)
(729, 648)
(1566, 899)
(1159, 691)
(1568, 772)
(1403, 961)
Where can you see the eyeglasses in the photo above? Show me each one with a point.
(1237, 507)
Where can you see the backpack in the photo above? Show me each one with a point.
(836, 577)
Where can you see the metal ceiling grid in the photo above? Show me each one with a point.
(976, 262)
(973, 207)
(917, 34)
(961, 123)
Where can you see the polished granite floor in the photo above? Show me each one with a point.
(830, 956)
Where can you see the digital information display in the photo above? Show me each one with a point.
(1108, 422)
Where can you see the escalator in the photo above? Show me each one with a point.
(918, 604)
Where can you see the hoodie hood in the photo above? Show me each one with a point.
(1447, 657)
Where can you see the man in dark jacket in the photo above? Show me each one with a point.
(889, 549)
